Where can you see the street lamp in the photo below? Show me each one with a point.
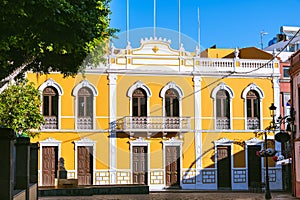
(272, 109)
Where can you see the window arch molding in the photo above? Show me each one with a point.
(139, 85)
(85, 84)
(254, 87)
(261, 95)
(222, 86)
(136, 85)
(51, 83)
(179, 92)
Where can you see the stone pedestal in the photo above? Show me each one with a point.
(7, 140)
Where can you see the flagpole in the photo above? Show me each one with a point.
(179, 36)
(154, 18)
(199, 31)
(127, 21)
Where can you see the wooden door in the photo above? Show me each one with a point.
(139, 165)
(172, 166)
(49, 165)
(84, 165)
(254, 167)
(224, 167)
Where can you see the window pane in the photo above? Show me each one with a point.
(46, 105)
(175, 107)
(218, 107)
(256, 108)
(226, 108)
(135, 106)
(89, 106)
(249, 109)
(54, 106)
(81, 106)
(143, 107)
(167, 107)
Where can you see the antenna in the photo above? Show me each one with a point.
(262, 33)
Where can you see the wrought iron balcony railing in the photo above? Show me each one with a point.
(153, 124)
(253, 123)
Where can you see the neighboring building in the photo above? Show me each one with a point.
(162, 117)
(295, 90)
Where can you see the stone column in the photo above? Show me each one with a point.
(7, 140)
(22, 164)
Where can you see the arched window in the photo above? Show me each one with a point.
(223, 109)
(139, 103)
(171, 103)
(253, 110)
(85, 108)
(50, 108)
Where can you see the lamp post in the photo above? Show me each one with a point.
(272, 126)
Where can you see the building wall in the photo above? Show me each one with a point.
(166, 67)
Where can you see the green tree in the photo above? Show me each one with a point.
(20, 108)
(56, 35)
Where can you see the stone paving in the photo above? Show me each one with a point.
(181, 196)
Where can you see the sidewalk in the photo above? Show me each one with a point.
(184, 195)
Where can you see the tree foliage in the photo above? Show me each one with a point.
(20, 108)
(52, 35)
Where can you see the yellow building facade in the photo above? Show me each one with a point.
(161, 117)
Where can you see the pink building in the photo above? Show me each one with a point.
(295, 94)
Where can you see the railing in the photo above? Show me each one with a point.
(153, 123)
(84, 122)
(253, 123)
(50, 122)
(223, 123)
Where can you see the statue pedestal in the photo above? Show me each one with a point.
(62, 174)
(67, 183)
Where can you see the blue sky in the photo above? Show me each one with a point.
(227, 24)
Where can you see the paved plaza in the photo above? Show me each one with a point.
(181, 196)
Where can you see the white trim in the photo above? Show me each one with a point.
(51, 83)
(222, 86)
(261, 95)
(136, 85)
(140, 142)
(82, 84)
(112, 78)
(172, 142)
(86, 142)
(49, 142)
(198, 126)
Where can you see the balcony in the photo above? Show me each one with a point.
(153, 124)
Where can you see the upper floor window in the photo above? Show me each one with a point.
(223, 109)
(285, 71)
(171, 103)
(139, 103)
(50, 108)
(85, 109)
(253, 110)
